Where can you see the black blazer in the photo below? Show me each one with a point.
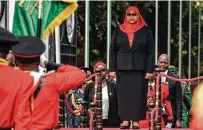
(175, 96)
(139, 57)
(113, 118)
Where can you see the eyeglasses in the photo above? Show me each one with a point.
(100, 70)
(163, 62)
(131, 14)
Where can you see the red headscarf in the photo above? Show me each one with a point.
(130, 29)
(99, 63)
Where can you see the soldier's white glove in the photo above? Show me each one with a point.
(169, 125)
(43, 61)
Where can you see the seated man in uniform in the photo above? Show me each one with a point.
(46, 90)
(15, 89)
(75, 97)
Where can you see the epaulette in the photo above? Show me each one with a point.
(89, 81)
(3, 62)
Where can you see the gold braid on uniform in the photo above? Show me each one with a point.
(75, 105)
(3, 61)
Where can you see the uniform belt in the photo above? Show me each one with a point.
(5, 128)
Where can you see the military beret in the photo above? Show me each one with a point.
(28, 48)
(172, 68)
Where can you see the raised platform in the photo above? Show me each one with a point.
(114, 129)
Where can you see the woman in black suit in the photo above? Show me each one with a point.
(132, 60)
(109, 97)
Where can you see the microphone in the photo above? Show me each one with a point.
(157, 69)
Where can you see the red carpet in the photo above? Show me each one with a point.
(114, 129)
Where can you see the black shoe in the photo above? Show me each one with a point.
(135, 127)
(125, 126)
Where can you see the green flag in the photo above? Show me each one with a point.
(25, 22)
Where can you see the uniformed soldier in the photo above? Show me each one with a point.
(46, 89)
(15, 89)
(75, 98)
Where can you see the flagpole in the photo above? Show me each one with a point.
(87, 2)
(156, 31)
(190, 40)
(39, 19)
(180, 41)
(169, 31)
(108, 30)
(39, 24)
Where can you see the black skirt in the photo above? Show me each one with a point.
(132, 94)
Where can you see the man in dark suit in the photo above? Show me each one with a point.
(174, 90)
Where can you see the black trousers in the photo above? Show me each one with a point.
(5, 128)
(107, 124)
